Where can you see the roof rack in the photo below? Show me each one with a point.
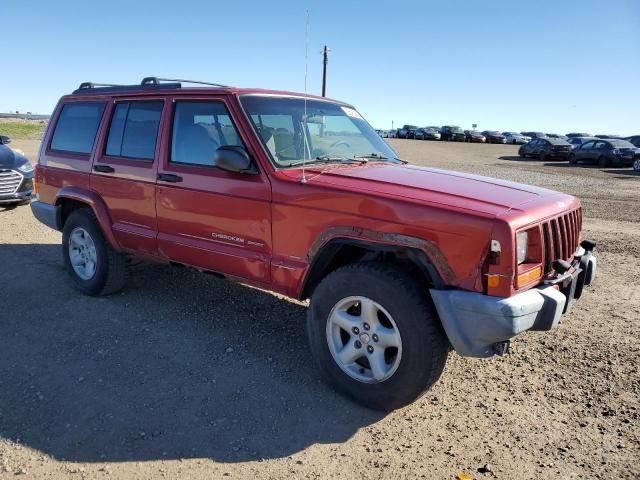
(148, 83)
(157, 80)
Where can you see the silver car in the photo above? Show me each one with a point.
(516, 138)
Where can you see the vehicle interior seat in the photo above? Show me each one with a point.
(195, 145)
(269, 140)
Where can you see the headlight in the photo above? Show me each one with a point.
(26, 168)
(522, 246)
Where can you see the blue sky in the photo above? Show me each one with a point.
(555, 66)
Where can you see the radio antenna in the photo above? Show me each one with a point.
(304, 119)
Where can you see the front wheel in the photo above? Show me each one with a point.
(603, 162)
(375, 335)
(95, 268)
(572, 159)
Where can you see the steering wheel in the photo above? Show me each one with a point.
(339, 143)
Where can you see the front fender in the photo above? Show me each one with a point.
(96, 203)
(382, 239)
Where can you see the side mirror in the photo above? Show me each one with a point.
(233, 158)
(4, 139)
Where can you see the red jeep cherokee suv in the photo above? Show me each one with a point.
(299, 195)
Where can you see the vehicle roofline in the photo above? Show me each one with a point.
(92, 93)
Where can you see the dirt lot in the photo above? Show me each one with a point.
(186, 376)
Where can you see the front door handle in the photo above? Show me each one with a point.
(104, 168)
(169, 177)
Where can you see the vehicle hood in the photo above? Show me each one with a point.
(9, 159)
(460, 191)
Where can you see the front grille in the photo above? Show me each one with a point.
(9, 181)
(561, 236)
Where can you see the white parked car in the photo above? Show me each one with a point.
(516, 138)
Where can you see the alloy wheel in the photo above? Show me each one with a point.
(364, 340)
(82, 253)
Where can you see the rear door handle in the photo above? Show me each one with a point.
(104, 168)
(169, 177)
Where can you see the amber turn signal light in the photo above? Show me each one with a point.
(529, 276)
(493, 281)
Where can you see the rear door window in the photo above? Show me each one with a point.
(76, 127)
(134, 130)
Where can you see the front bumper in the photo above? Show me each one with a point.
(18, 197)
(478, 324)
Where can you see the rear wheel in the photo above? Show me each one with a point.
(636, 164)
(95, 268)
(375, 335)
(521, 153)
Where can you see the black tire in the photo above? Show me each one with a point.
(521, 153)
(572, 159)
(111, 267)
(603, 162)
(543, 156)
(424, 344)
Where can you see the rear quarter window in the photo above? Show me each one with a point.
(76, 128)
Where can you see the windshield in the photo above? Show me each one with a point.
(456, 130)
(331, 130)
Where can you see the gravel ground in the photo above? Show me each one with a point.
(187, 376)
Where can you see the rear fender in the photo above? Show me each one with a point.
(95, 202)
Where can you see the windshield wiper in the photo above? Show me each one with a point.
(328, 158)
(376, 156)
(371, 156)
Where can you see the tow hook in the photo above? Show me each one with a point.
(502, 348)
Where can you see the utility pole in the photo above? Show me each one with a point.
(325, 54)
